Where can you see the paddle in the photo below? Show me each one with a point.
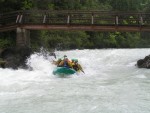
(81, 68)
(83, 71)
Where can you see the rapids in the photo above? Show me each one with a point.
(111, 84)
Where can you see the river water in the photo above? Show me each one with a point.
(111, 84)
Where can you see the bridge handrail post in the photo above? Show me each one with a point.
(141, 20)
(19, 13)
(18, 17)
(68, 19)
(44, 19)
(92, 19)
(116, 20)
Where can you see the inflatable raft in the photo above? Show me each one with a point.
(63, 71)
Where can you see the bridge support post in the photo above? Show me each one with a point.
(23, 38)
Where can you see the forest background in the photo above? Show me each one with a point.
(61, 40)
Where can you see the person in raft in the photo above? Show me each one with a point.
(57, 62)
(69, 64)
(76, 66)
(64, 63)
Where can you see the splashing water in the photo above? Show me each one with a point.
(111, 84)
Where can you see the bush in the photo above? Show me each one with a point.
(5, 43)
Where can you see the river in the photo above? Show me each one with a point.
(111, 84)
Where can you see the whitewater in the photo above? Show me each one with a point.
(112, 83)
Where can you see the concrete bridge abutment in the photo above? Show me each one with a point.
(22, 37)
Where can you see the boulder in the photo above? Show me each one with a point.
(15, 57)
(144, 63)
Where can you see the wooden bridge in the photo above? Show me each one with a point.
(24, 21)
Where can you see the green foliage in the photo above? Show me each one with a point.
(127, 40)
(79, 39)
(27, 4)
(10, 5)
(36, 40)
(64, 39)
(4, 43)
(128, 5)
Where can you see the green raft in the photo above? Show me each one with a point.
(63, 71)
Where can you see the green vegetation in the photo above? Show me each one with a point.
(7, 40)
(78, 39)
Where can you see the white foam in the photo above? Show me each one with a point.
(109, 84)
(141, 76)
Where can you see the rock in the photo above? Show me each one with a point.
(144, 63)
(15, 57)
(2, 63)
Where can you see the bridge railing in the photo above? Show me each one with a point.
(85, 18)
(9, 18)
(75, 18)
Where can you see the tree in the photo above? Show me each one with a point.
(10, 5)
(127, 5)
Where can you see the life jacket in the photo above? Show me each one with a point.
(67, 64)
(64, 63)
(76, 67)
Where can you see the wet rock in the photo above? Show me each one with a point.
(144, 63)
(2, 63)
(15, 57)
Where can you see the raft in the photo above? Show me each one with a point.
(63, 71)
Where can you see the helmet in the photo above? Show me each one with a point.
(76, 60)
